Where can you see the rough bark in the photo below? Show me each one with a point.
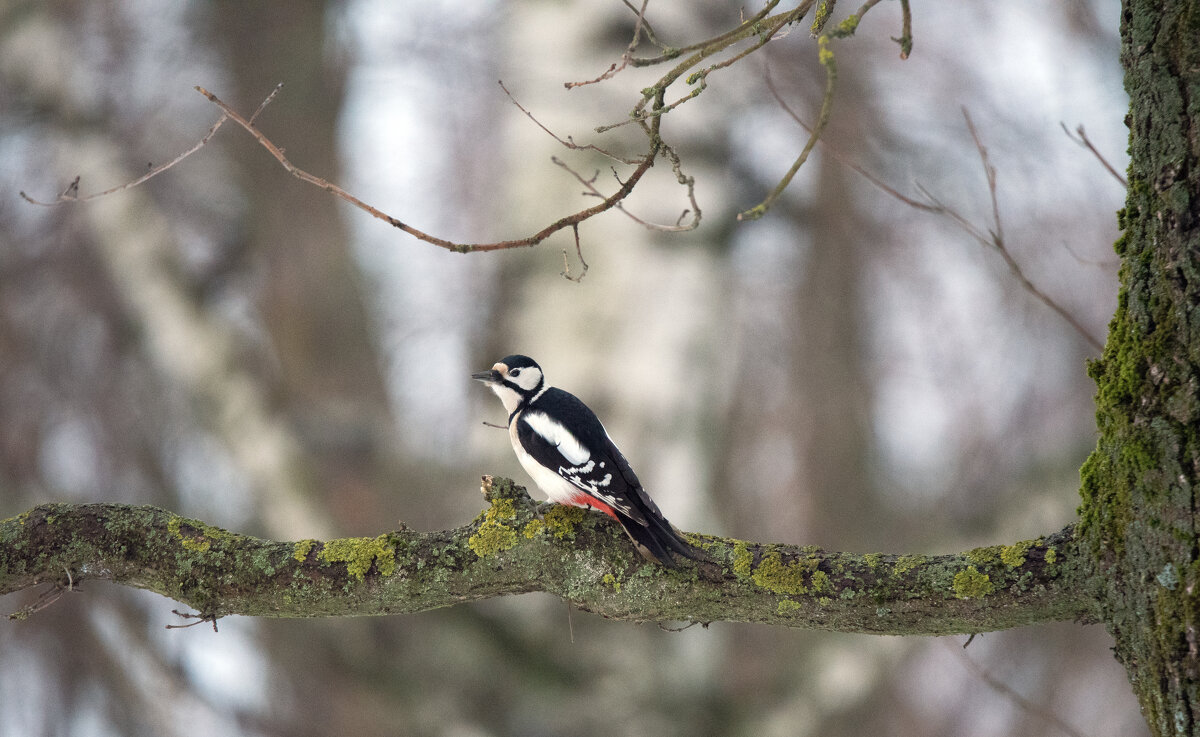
(569, 552)
(1138, 518)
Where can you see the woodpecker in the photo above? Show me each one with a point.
(565, 449)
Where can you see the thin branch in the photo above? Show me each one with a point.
(765, 34)
(687, 181)
(532, 240)
(568, 142)
(993, 238)
(1086, 142)
(590, 185)
(566, 272)
(1009, 692)
(906, 39)
(747, 27)
(626, 57)
(642, 166)
(262, 106)
(990, 172)
(47, 598)
(71, 194)
(830, 64)
(841, 158)
(996, 240)
(766, 30)
(829, 61)
(651, 36)
(200, 619)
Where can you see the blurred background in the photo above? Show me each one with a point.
(232, 344)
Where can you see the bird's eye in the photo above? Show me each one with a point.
(514, 372)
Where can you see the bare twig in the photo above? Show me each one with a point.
(46, 598)
(531, 240)
(642, 166)
(844, 160)
(568, 142)
(1086, 142)
(765, 28)
(646, 27)
(626, 57)
(993, 238)
(1008, 691)
(829, 61)
(747, 27)
(996, 240)
(990, 172)
(200, 619)
(262, 106)
(590, 185)
(71, 194)
(830, 64)
(566, 272)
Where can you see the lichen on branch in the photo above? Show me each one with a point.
(516, 546)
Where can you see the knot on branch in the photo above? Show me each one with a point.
(497, 488)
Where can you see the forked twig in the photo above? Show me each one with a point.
(643, 165)
(71, 193)
(1086, 142)
(568, 142)
(532, 240)
(996, 240)
(830, 64)
(1008, 691)
(566, 272)
(841, 158)
(626, 57)
(993, 238)
(200, 619)
(590, 185)
(46, 598)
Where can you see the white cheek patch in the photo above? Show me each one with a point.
(527, 379)
(558, 436)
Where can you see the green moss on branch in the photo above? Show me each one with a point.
(580, 556)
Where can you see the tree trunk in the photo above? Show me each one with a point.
(1139, 505)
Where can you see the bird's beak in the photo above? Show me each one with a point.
(491, 376)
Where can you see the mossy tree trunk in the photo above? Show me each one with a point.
(1139, 515)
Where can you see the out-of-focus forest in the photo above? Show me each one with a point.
(233, 344)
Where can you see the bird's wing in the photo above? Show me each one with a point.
(591, 463)
(562, 434)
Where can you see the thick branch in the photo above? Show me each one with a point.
(569, 552)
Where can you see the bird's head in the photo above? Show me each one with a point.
(515, 379)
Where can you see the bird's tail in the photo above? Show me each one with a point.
(658, 539)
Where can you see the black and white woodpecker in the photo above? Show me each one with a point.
(568, 453)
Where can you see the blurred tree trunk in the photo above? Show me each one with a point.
(1139, 487)
(311, 297)
(832, 414)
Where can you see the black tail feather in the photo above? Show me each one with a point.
(658, 539)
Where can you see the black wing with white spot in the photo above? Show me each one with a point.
(562, 434)
(570, 445)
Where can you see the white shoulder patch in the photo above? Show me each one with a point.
(558, 436)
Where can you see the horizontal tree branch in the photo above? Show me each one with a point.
(516, 546)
